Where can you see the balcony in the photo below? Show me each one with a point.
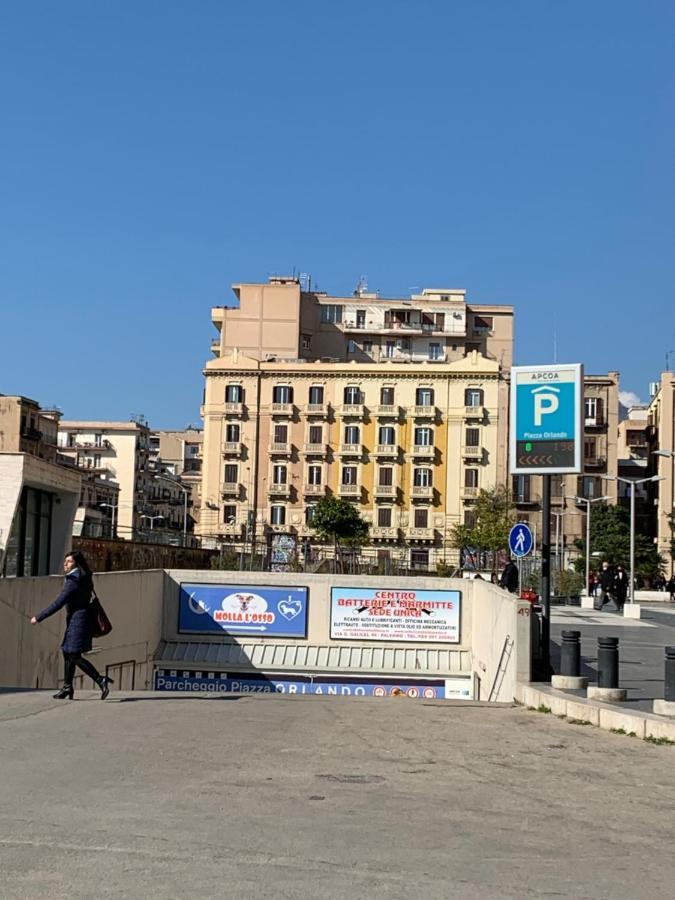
(279, 490)
(382, 533)
(233, 448)
(280, 449)
(315, 450)
(423, 451)
(421, 534)
(388, 491)
(527, 499)
(230, 489)
(469, 493)
(234, 529)
(425, 412)
(351, 449)
(591, 422)
(474, 412)
(349, 490)
(422, 491)
(594, 462)
(314, 490)
(282, 409)
(472, 452)
(388, 411)
(353, 410)
(234, 409)
(389, 450)
(317, 409)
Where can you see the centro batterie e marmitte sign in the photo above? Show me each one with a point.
(368, 614)
(546, 419)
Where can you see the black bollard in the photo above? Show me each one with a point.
(608, 662)
(669, 686)
(570, 654)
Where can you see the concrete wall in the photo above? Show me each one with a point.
(30, 655)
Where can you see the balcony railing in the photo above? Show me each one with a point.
(472, 452)
(316, 409)
(315, 449)
(388, 411)
(594, 462)
(425, 451)
(233, 448)
(469, 493)
(421, 534)
(422, 491)
(282, 409)
(279, 490)
(384, 533)
(474, 412)
(230, 488)
(385, 490)
(314, 490)
(282, 449)
(425, 412)
(234, 409)
(349, 490)
(387, 450)
(351, 449)
(352, 410)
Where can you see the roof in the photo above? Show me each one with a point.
(292, 656)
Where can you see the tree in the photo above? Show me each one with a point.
(494, 515)
(338, 520)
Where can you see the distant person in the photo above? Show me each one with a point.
(592, 583)
(606, 580)
(76, 597)
(670, 587)
(620, 587)
(509, 579)
(494, 578)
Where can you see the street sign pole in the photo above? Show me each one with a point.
(546, 577)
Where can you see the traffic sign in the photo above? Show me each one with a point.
(520, 540)
(546, 419)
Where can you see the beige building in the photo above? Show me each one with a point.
(38, 496)
(661, 437)
(179, 455)
(397, 405)
(600, 457)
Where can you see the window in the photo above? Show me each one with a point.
(482, 324)
(352, 434)
(588, 487)
(315, 435)
(234, 393)
(71, 440)
(421, 518)
(470, 518)
(278, 515)
(521, 488)
(314, 474)
(232, 433)
(387, 396)
(229, 514)
(384, 517)
(279, 473)
(360, 318)
(419, 559)
(422, 478)
(471, 478)
(349, 475)
(424, 396)
(309, 514)
(352, 395)
(231, 473)
(367, 346)
(280, 434)
(97, 460)
(472, 437)
(435, 351)
(351, 346)
(390, 349)
(424, 437)
(473, 397)
(386, 435)
(385, 476)
(316, 395)
(305, 341)
(98, 440)
(331, 313)
(282, 393)
(593, 410)
(590, 448)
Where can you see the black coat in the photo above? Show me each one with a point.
(509, 579)
(607, 579)
(621, 586)
(75, 596)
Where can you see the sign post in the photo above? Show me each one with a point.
(546, 439)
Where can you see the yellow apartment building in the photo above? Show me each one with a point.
(661, 456)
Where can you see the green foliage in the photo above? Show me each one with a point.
(338, 520)
(610, 538)
(567, 583)
(495, 514)
(443, 570)
(227, 559)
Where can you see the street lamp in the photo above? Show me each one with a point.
(669, 454)
(153, 519)
(588, 501)
(185, 499)
(632, 482)
(111, 506)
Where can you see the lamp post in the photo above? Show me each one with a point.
(588, 501)
(152, 519)
(632, 482)
(670, 454)
(113, 507)
(185, 491)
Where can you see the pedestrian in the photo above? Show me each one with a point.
(509, 579)
(76, 597)
(606, 583)
(494, 578)
(620, 587)
(592, 583)
(670, 587)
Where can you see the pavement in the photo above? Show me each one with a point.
(641, 646)
(263, 796)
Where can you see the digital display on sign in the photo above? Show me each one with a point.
(395, 615)
(243, 609)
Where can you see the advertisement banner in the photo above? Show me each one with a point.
(196, 682)
(366, 614)
(248, 609)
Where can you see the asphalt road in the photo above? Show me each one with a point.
(277, 797)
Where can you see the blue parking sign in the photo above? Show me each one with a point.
(520, 540)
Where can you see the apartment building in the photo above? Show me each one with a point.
(179, 454)
(661, 456)
(397, 405)
(600, 457)
(38, 496)
(116, 451)
(633, 463)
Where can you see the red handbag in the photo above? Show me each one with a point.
(100, 623)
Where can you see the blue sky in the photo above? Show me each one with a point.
(152, 153)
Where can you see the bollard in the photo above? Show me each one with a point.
(608, 662)
(669, 685)
(570, 654)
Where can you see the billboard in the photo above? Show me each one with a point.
(546, 419)
(243, 609)
(367, 614)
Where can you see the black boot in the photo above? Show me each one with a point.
(103, 684)
(66, 693)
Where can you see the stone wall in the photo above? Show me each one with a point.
(116, 556)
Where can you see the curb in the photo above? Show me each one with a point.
(646, 726)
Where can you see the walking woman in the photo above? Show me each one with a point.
(75, 596)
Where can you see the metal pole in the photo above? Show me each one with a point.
(546, 578)
(185, 495)
(588, 546)
(632, 541)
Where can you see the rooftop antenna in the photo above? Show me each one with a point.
(361, 286)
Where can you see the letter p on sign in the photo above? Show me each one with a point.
(545, 402)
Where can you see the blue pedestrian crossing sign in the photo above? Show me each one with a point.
(520, 540)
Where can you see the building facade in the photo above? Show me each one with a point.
(399, 406)
(661, 455)
(179, 455)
